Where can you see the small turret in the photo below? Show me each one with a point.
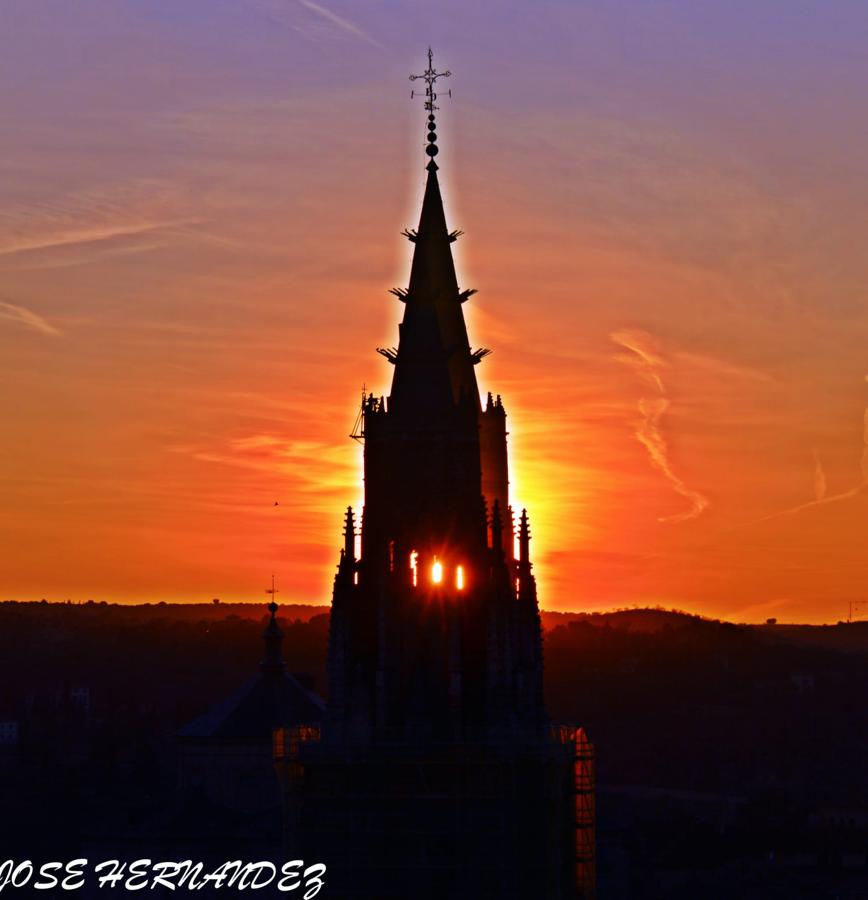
(524, 542)
(350, 536)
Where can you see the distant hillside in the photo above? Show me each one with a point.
(710, 737)
(181, 612)
(847, 637)
(670, 700)
(640, 620)
(844, 636)
(646, 621)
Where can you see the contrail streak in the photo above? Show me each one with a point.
(645, 360)
(821, 499)
(84, 235)
(339, 21)
(28, 318)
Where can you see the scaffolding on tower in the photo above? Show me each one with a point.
(586, 858)
(358, 430)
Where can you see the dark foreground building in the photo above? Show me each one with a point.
(436, 772)
(224, 755)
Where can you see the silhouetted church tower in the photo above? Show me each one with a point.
(436, 772)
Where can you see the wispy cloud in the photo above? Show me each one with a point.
(311, 467)
(722, 367)
(283, 13)
(820, 496)
(12, 312)
(645, 359)
(339, 21)
(69, 255)
(120, 216)
(82, 235)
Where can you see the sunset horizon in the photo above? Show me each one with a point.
(193, 282)
(434, 449)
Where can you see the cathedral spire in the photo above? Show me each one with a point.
(433, 364)
(434, 623)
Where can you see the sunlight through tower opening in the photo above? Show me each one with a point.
(413, 557)
(437, 572)
(459, 578)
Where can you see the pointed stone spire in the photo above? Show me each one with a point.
(432, 274)
(524, 541)
(434, 367)
(349, 552)
(273, 637)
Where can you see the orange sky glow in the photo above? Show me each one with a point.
(664, 217)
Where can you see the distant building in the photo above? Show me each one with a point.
(436, 772)
(225, 755)
(80, 697)
(10, 744)
(803, 682)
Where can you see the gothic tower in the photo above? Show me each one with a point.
(436, 752)
(435, 627)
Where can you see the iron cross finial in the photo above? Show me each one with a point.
(430, 76)
(272, 607)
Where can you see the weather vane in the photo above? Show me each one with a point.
(430, 76)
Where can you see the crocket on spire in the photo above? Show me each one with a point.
(434, 363)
